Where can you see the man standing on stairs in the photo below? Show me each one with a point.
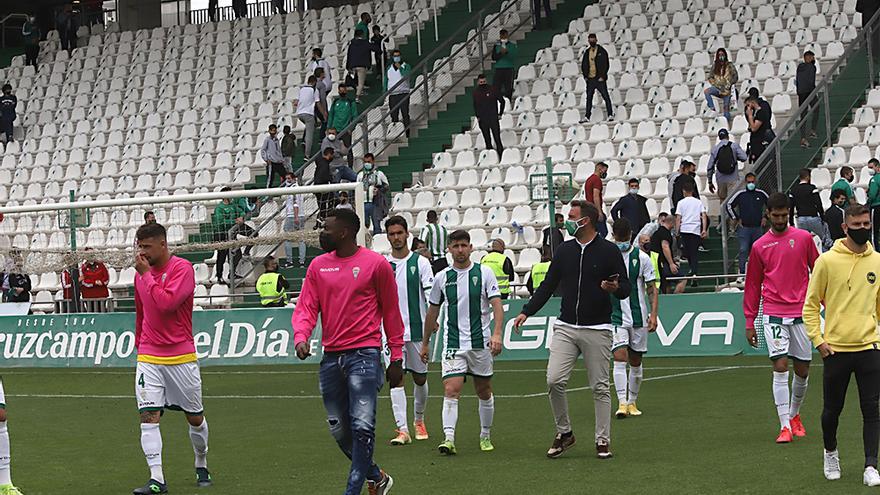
(318, 61)
(8, 102)
(271, 153)
(723, 165)
(307, 102)
(595, 67)
(758, 115)
(504, 55)
(593, 194)
(746, 208)
(633, 207)
(805, 83)
(536, 6)
(874, 198)
(806, 206)
(435, 236)
(397, 80)
(847, 175)
(358, 60)
(501, 266)
(375, 186)
(342, 113)
(486, 109)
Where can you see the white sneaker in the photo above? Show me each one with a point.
(871, 477)
(832, 466)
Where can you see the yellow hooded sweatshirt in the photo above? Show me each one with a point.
(848, 285)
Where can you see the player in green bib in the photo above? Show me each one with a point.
(414, 278)
(633, 318)
(470, 292)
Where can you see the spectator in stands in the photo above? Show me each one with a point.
(805, 83)
(594, 67)
(397, 81)
(339, 168)
(645, 246)
(358, 60)
(868, 8)
(66, 25)
(344, 201)
(8, 102)
(149, 217)
(364, 24)
(279, 7)
(31, 34)
(16, 286)
(593, 194)
(322, 176)
(212, 10)
(270, 152)
(239, 7)
(419, 246)
(318, 61)
(662, 244)
(758, 116)
(539, 272)
(375, 188)
(722, 78)
(874, 198)
(288, 148)
(504, 54)
(294, 220)
(687, 173)
(633, 207)
(222, 221)
(93, 280)
(486, 109)
(308, 101)
(342, 113)
(834, 215)
(501, 266)
(537, 4)
(723, 165)
(436, 237)
(806, 206)
(380, 53)
(553, 235)
(690, 223)
(746, 206)
(271, 285)
(847, 175)
(321, 117)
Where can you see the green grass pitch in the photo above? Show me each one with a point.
(708, 427)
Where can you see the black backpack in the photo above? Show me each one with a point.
(725, 160)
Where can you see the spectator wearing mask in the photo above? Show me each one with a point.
(662, 243)
(294, 220)
(375, 186)
(486, 108)
(342, 113)
(805, 83)
(339, 169)
(322, 176)
(270, 152)
(271, 285)
(288, 148)
(501, 266)
(758, 116)
(539, 272)
(874, 198)
(722, 78)
(593, 194)
(633, 207)
(594, 67)
(358, 60)
(687, 173)
(31, 34)
(835, 215)
(806, 207)
(504, 54)
(746, 206)
(380, 53)
(723, 167)
(690, 223)
(397, 81)
(307, 103)
(364, 24)
(847, 175)
(553, 235)
(344, 201)
(8, 102)
(317, 61)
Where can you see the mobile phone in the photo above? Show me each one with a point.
(614, 278)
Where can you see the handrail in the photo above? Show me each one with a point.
(3, 27)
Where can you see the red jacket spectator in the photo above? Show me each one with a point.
(93, 280)
(67, 285)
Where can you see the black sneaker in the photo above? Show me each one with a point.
(560, 444)
(151, 488)
(203, 477)
(702, 249)
(602, 451)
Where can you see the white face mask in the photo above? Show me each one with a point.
(331, 137)
(871, 171)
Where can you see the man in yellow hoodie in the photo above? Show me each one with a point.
(845, 281)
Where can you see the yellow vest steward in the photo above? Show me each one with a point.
(655, 260)
(495, 261)
(267, 286)
(539, 273)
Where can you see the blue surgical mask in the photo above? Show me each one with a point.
(624, 246)
(396, 59)
(368, 166)
(751, 186)
(634, 190)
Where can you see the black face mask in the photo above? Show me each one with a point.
(328, 243)
(859, 236)
(693, 174)
(603, 175)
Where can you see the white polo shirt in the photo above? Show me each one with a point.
(307, 98)
(691, 210)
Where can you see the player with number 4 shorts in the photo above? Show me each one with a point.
(6, 486)
(470, 292)
(777, 275)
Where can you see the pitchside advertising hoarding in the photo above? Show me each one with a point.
(689, 325)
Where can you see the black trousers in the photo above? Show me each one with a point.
(691, 245)
(221, 253)
(594, 85)
(239, 7)
(399, 105)
(537, 5)
(503, 82)
(68, 39)
(491, 128)
(875, 227)
(813, 119)
(345, 137)
(439, 264)
(324, 204)
(835, 379)
(273, 169)
(279, 6)
(6, 128)
(212, 10)
(31, 52)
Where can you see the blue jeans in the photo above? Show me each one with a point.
(345, 172)
(350, 383)
(816, 226)
(291, 224)
(371, 214)
(713, 91)
(747, 236)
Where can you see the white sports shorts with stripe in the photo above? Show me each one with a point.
(474, 362)
(2, 396)
(412, 357)
(169, 386)
(787, 337)
(635, 339)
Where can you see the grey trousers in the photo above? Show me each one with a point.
(309, 134)
(816, 226)
(565, 349)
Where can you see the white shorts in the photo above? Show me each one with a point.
(176, 386)
(475, 362)
(787, 337)
(412, 357)
(2, 396)
(634, 338)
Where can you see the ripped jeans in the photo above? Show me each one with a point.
(350, 383)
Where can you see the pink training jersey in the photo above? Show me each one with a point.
(353, 295)
(779, 271)
(163, 300)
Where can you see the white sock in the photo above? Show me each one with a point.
(620, 381)
(420, 400)
(450, 417)
(5, 477)
(798, 392)
(780, 396)
(635, 382)
(398, 407)
(487, 413)
(151, 442)
(199, 437)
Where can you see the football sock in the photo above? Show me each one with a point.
(398, 408)
(199, 437)
(635, 382)
(420, 400)
(487, 412)
(5, 477)
(620, 381)
(151, 443)
(780, 396)
(450, 417)
(798, 392)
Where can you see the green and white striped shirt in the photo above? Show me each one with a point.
(632, 312)
(435, 238)
(468, 313)
(414, 278)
